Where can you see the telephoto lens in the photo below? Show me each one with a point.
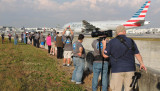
(97, 33)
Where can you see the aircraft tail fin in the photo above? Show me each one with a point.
(138, 19)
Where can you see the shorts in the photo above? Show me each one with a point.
(52, 44)
(55, 48)
(67, 54)
(42, 43)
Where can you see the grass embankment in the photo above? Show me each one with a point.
(24, 67)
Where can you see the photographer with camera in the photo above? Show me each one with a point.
(122, 51)
(68, 38)
(100, 65)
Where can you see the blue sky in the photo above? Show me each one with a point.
(50, 13)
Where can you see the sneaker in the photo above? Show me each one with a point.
(73, 81)
(64, 64)
(68, 65)
(53, 54)
(78, 82)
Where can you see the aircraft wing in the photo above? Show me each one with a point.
(88, 26)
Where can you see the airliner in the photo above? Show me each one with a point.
(137, 20)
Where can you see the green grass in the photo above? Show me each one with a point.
(24, 68)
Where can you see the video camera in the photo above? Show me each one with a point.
(97, 33)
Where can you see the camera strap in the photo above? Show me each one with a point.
(123, 41)
(68, 37)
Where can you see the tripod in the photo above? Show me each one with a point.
(100, 52)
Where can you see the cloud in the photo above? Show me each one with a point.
(93, 4)
(8, 1)
(68, 5)
(71, 10)
(157, 11)
(46, 4)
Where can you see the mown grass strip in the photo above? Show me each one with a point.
(24, 68)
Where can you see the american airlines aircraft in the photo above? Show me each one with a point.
(137, 20)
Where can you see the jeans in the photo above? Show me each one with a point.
(78, 70)
(97, 69)
(21, 40)
(15, 41)
(37, 41)
(25, 40)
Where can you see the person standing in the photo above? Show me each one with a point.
(42, 40)
(67, 45)
(100, 65)
(30, 37)
(2, 37)
(78, 60)
(59, 44)
(122, 51)
(34, 40)
(38, 42)
(53, 42)
(26, 37)
(48, 40)
(22, 37)
(9, 37)
(15, 39)
(37, 36)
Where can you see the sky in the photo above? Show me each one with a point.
(52, 13)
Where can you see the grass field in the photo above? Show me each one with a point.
(24, 68)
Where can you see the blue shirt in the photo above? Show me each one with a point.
(121, 60)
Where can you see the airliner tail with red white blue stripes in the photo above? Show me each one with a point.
(138, 19)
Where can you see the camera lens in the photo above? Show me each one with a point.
(102, 33)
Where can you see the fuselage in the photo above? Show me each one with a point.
(103, 25)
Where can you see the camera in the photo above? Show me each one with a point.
(68, 27)
(137, 75)
(97, 33)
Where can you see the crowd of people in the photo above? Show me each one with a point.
(118, 52)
